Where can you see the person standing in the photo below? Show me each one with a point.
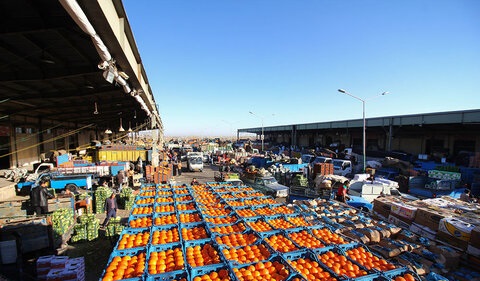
(39, 197)
(342, 192)
(110, 209)
(120, 179)
(175, 164)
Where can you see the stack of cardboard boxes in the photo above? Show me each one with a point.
(443, 219)
(60, 268)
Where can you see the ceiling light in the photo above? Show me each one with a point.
(108, 131)
(96, 109)
(121, 129)
(130, 126)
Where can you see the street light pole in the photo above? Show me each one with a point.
(262, 136)
(364, 138)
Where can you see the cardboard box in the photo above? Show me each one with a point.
(474, 251)
(403, 210)
(382, 206)
(430, 218)
(452, 240)
(401, 222)
(475, 237)
(456, 228)
(423, 231)
(452, 256)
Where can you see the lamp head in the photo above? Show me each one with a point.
(342, 91)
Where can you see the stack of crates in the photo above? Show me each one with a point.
(181, 232)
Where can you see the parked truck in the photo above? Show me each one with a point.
(58, 181)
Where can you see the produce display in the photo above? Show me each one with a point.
(86, 228)
(101, 194)
(62, 220)
(217, 231)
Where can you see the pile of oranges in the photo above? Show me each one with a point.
(280, 223)
(247, 254)
(164, 200)
(222, 220)
(252, 202)
(186, 207)
(216, 212)
(299, 221)
(281, 243)
(221, 275)
(184, 198)
(166, 261)
(260, 226)
(227, 196)
(404, 277)
(305, 239)
(282, 210)
(190, 217)
(142, 210)
(328, 237)
(246, 213)
(369, 260)
(194, 233)
(165, 208)
(235, 228)
(311, 270)
(133, 240)
(165, 236)
(141, 222)
(236, 239)
(235, 203)
(340, 265)
(182, 191)
(266, 211)
(200, 256)
(164, 193)
(125, 267)
(263, 271)
(147, 193)
(143, 201)
(166, 219)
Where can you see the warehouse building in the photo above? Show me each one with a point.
(70, 73)
(447, 134)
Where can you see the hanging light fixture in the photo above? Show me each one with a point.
(130, 126)
(121, 129)
(108, 132)
(96, 109)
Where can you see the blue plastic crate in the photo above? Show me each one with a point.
(161, 208)
(164, 199)
(305, 254)
(160, 248)
(248, 220)
(265, 235)
(290, 231)
(134, 217)
(391, 274)
(263, 206)
(194, 225)
(144, 200)
(191, 202)
(202, 243)
(248, 232)
(136, 206)
(268, 219)
(161, 215)
(132, 231)
(178, 192)
(202, 270)
(258, 243)
(227, 211)
(166, 228)
(174, 275)
(209, 219)
(179, 213)
(311, 230)
(337, 250)
(288, 217)
(239, 223)
(164, 192)
(273, 258)
(346, 247)
(122, 253)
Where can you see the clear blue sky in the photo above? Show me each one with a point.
(211, 62)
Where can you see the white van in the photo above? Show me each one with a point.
(195, 163)
(342, 167)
